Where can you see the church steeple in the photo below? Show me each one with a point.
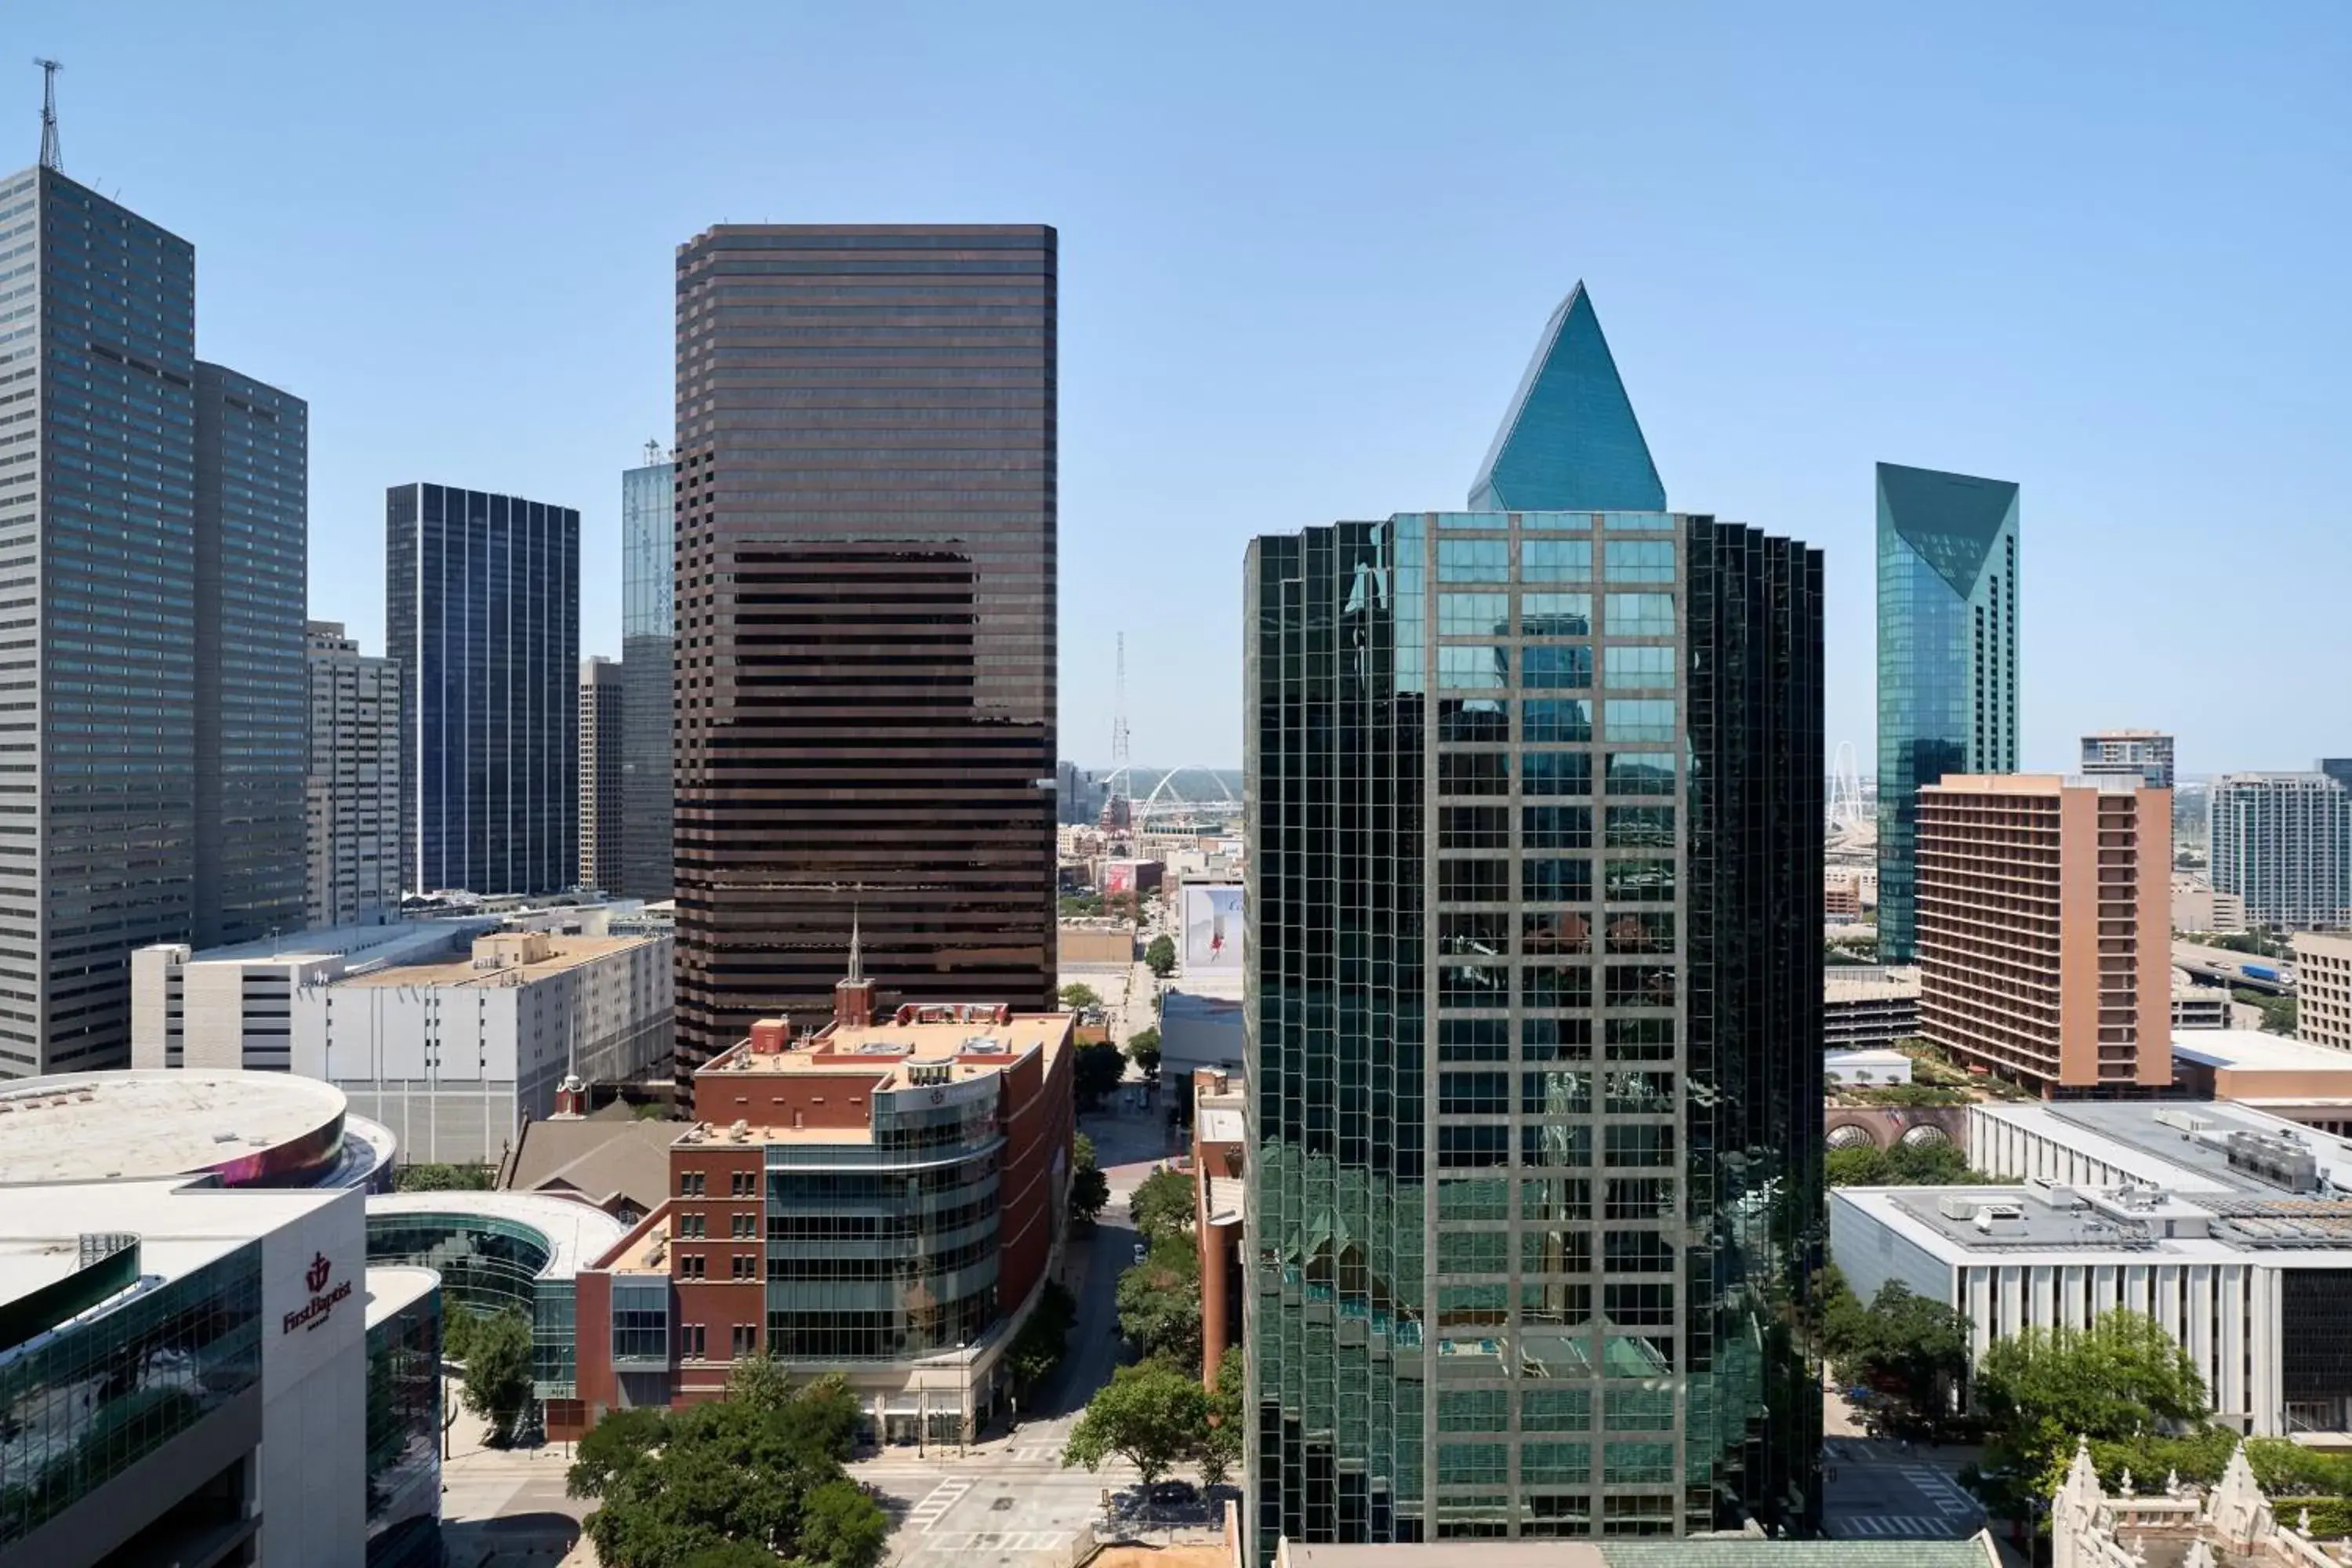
(853, 995)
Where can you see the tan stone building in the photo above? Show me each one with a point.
(2043, 928)
(2323, 971)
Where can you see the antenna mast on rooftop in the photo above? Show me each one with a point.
(51, 157)
(1120, 761)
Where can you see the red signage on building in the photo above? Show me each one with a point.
(322, 1300)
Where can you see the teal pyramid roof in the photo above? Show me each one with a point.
(1569, 441)
(1951, 519)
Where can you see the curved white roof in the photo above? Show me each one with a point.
(576, 1235)
(96, 1126)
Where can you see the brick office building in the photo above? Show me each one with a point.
(882, 1199)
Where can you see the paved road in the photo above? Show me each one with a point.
(1876, 1490)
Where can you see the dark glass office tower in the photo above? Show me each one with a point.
(482, 599)
(1947, 658)
(647, 544)
(98, 549)
(864, 662)
(1533, 1009)
(253, 514)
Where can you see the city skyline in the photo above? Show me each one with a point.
(1961, 316)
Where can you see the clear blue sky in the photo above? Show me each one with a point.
(2100, 249)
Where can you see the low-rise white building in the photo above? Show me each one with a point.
(451, 1055)
(447, 1032)
(2231, 1228)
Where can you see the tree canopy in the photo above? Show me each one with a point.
(2123, 1377)
(1159, 1302)
(495, 1351)
(1090, 1188)
(1096, 1072)
(1160, 956)
(1154, 1415)
(1077, 995)
(1037, 1349)
(1143, 1050)
(1906, 1345)
(433, 1178)
(1161, 1204)
(1905, 1165)
(753, 1479)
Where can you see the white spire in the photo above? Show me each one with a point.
(856, 957)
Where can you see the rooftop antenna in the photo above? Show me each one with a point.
(652, 453)
(1119, 762)
(51, 157)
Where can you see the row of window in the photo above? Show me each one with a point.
(1487, 667)
(1555, 561)
(1548, 615)
(1555, 828)
(1566, 774)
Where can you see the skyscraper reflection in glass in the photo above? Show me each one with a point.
(1947, 658)
(1533, 1005)
(647, 539)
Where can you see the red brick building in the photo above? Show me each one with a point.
(882, 1199)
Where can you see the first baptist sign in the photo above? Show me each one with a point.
(322, 1300)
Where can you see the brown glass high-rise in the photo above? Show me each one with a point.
(865, 655)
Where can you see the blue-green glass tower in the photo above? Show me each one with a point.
(1533, 1002)
(1947, 658)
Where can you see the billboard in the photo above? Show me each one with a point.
(1212, 927)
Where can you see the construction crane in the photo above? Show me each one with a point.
(52, 156)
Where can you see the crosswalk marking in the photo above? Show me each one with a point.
(1938, 1488)
(962, 1544)
(1901, 1526)
(941, 1498)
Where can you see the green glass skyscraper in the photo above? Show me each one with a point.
(1533, 1003)
(1947, 658)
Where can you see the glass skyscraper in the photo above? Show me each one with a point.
(482, 601)
(1533, 1005)
(647, 539)
(253, 518)
(152, 520)
(2282, 842)
(1947, 658)
(865, 660)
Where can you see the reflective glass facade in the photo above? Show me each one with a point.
(253, 510)
(482, 600)
(85, 1403)
(864, 662)
(403, 1436)
(602, 740)
(647, 539)
(1533, 1026)
(98, 537)
(488, 1264)
(1570, 442)
(2282, 842)
(1947, 660)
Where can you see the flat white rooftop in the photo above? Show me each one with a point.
(181, 1225)
(392, 1287)
(576, 1235)
(105, 1126)
(2251, 1051)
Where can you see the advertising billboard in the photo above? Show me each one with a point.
(1212, 927)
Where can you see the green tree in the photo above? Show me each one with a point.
(751, 1479)
(432, 1178)
(1220, 1446)
(1904, 1345)
(1143, 1050)
(1863, 1165)
(1905, 1165)
(1159, 1302)
(1161, 1204)
(1090, 1188)
(2123, 1377)
(1037, 1349)
(842, 1527)
(2278, 1011)
(1153, 1415)
(1160, 956)
(1096, 1072)
(1078, 996)
(496, 1349)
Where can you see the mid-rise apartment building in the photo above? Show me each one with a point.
(352, 782)
(2281, 843)
(2144, 755)
(603, 742)
(2045, 929)
(2322, 998)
